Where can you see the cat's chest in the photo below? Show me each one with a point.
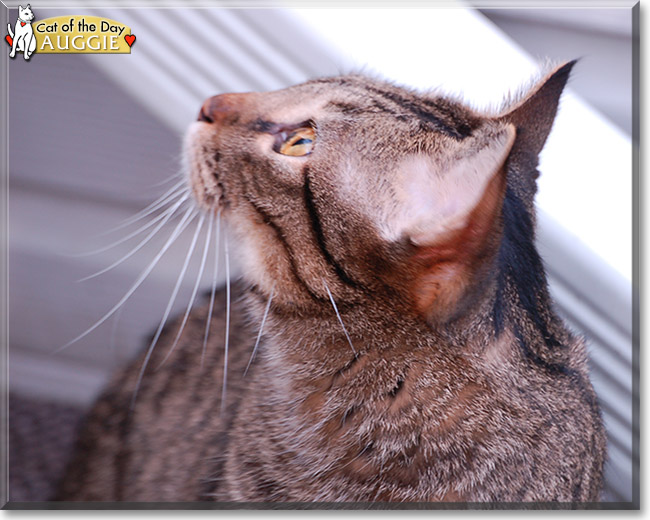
(380, 418)
(380, 400)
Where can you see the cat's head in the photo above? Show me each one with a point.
(25, 13)
(371, 191)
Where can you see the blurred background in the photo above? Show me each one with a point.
(95, 138)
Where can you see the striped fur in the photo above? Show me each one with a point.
(411, 351)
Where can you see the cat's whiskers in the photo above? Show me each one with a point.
(191, 212)
(338, 315)
(173, 192)
(168, 309)
(259, 334)
(167, 216)
(194, 290)
(225, 359)
(214, 286)
(177, 175)
(159, 217)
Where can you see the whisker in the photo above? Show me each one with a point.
(169, 195)
(194, 291)
(170, 304)
(167, 213)
(339, 317)
(168, 180)
(214, 286)
(179, 229)
(225, 361)
(259, 334)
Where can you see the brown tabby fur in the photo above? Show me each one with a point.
(459, 383)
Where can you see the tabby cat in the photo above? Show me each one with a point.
(410, 350)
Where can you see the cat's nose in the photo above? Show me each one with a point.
(218, 108)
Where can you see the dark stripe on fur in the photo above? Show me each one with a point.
(267, 219)
(521, 267)
(345, 108)
(317, 228)
(580, 382)
(375, 107)
(552, 368)
(442, 107)
(424, 115)
(262, 126)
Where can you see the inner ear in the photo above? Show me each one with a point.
(454, 223)
(437, 198)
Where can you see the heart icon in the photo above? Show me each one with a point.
(130, 38)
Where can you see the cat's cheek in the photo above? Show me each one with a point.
(200, 165)
(291, 170)
(196, 132)
(191, 152)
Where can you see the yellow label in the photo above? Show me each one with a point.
(82, 35)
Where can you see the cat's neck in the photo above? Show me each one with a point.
(317, 348)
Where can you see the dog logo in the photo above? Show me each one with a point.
(22, 38)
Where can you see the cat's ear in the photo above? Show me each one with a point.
(440, 196)
(534, 114)
(452, 217)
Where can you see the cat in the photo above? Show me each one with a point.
(22, 39)
(410, 351)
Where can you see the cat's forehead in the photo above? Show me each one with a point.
(313, 97)
(334, 90)
(357, 95)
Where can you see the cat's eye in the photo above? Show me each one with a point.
(298, 142)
